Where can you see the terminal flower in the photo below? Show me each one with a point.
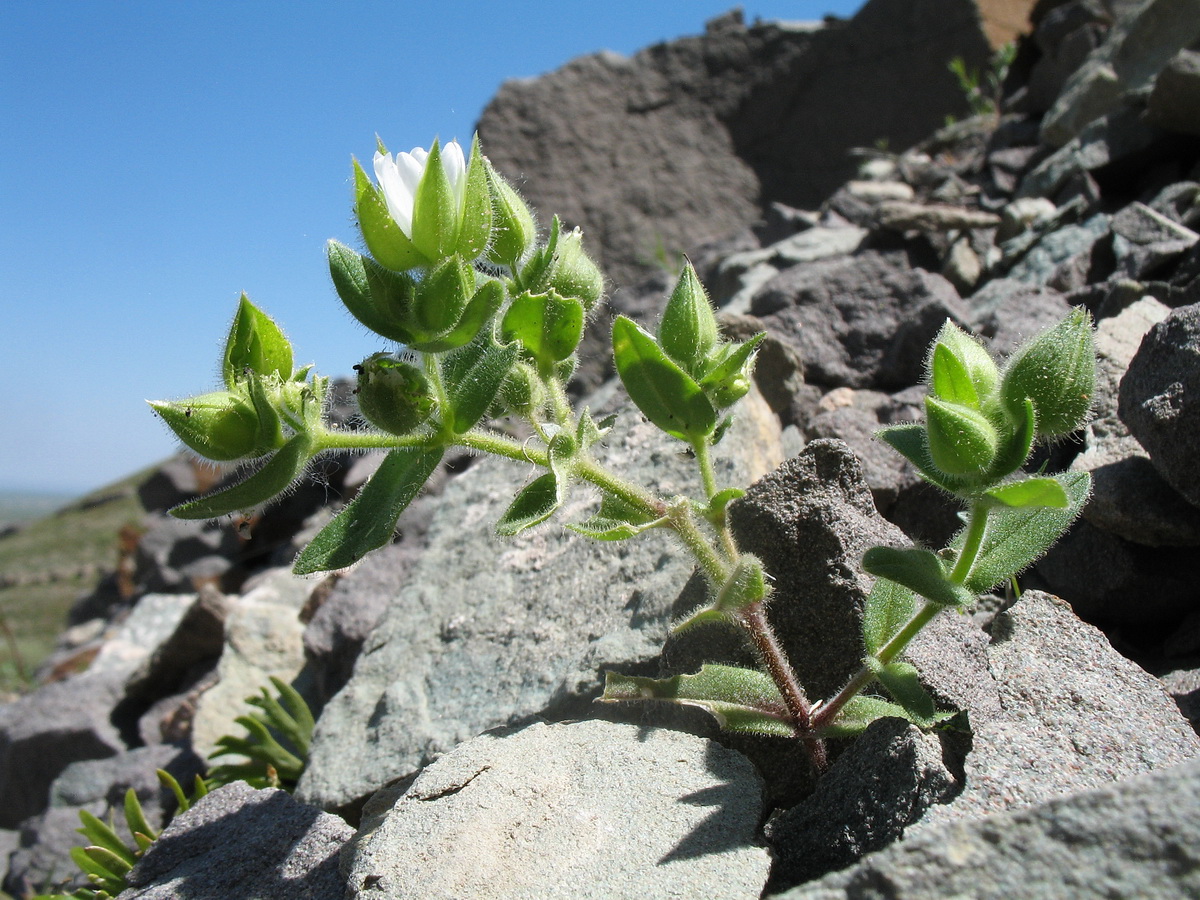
(401, 175)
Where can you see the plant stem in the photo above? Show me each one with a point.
(708, 476)
(680, 518)
(753, 618)
(976, 528)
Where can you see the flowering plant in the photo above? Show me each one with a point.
(490, 320)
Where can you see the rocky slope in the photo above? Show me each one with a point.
(1078, 776)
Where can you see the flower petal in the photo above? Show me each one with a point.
(397, 194)
(456, 169)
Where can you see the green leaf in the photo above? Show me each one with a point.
(911, 442)
(102, 835)
(534, 504)
(435, 210)
(135, 817)
(616, 520)
(859, 713)
(264, 484)
(741, 700)
(745, 585)
(480, 308)
(902, 682)
(476, 226)
(950, 380)
(473, 376)
(255, 343)
(300, 730)
(665, 394)
(381, 299)
(729, 378)
(385, 240)
(589, 432)
(714, 511)
(1016, 538)
(442, 297)
(269, 434)
(889, 607)
(106, 878)
(1031, 492)
(167, 780)
(974, 358)
(705, 615)
(918, 570)
(548, 325)
(369, 521)
(688, 331)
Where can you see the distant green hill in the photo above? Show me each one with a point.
(60, 550)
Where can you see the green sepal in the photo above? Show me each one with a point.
(369, 521)
(220, 426)
(255, 343)
(1015, 447)
(473, 375)
(442, 297)
(269, 434)
(1057, 370)
(435, 210)
(950, 380)
(728, 379)
(475, 228)
(548, 325)
(888, 608)
(267, 482)
(1029, 493)
(135, 817)
(1016, 538)
(962, 441)
(665, 394)
(688, 330)
(589, 432)
(102, 835)
(918, 570)
(385, 240)
(854, 718)
(513, 226)
(980, 367)
(480, 308)
(616, 520)
(705, 615)
(901, 681)
(741, 700)
(380, 298)
(746, 585)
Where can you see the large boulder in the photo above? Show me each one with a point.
(713, 128)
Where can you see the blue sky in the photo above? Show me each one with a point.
(158, 158)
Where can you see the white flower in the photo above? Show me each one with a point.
(400, 177)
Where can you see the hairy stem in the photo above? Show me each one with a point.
(708, 477)
(754, 619)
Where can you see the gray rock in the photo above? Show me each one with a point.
(1175, 101)
(240, 842)
(859, 321)
(882, 784)
(173, 550)
(487, 632)
(581, 810)
(1009, 312)
(1158, 398)
(716, 127)
(1058, 247)
(1074, 714)
(1134, 839)
(43, 732)
(263, 638)
(1129, 498)
(98, 786)
(1135, 50)
(900, 215)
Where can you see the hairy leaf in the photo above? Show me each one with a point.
(264, 484)
(665, 394)
(889, 608)
(918, 570)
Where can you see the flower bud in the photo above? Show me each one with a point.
(442, 296)
(393, 395)
(513, 225)
(970, 357)
(1057, 372)
(688, 331)
(523, 391)
(565, 267)
(962, 441)
(220, 426)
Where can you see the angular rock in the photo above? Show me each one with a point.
(43, 732)
(1160, 399)
(1134, 51)
(859, 321)
(1008, 312)
(1074, 715)
(1175, 101)
(1133, 839)
(580, 810)
(486, 632)
(241, 842)
(882, 784)
(263, 638)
